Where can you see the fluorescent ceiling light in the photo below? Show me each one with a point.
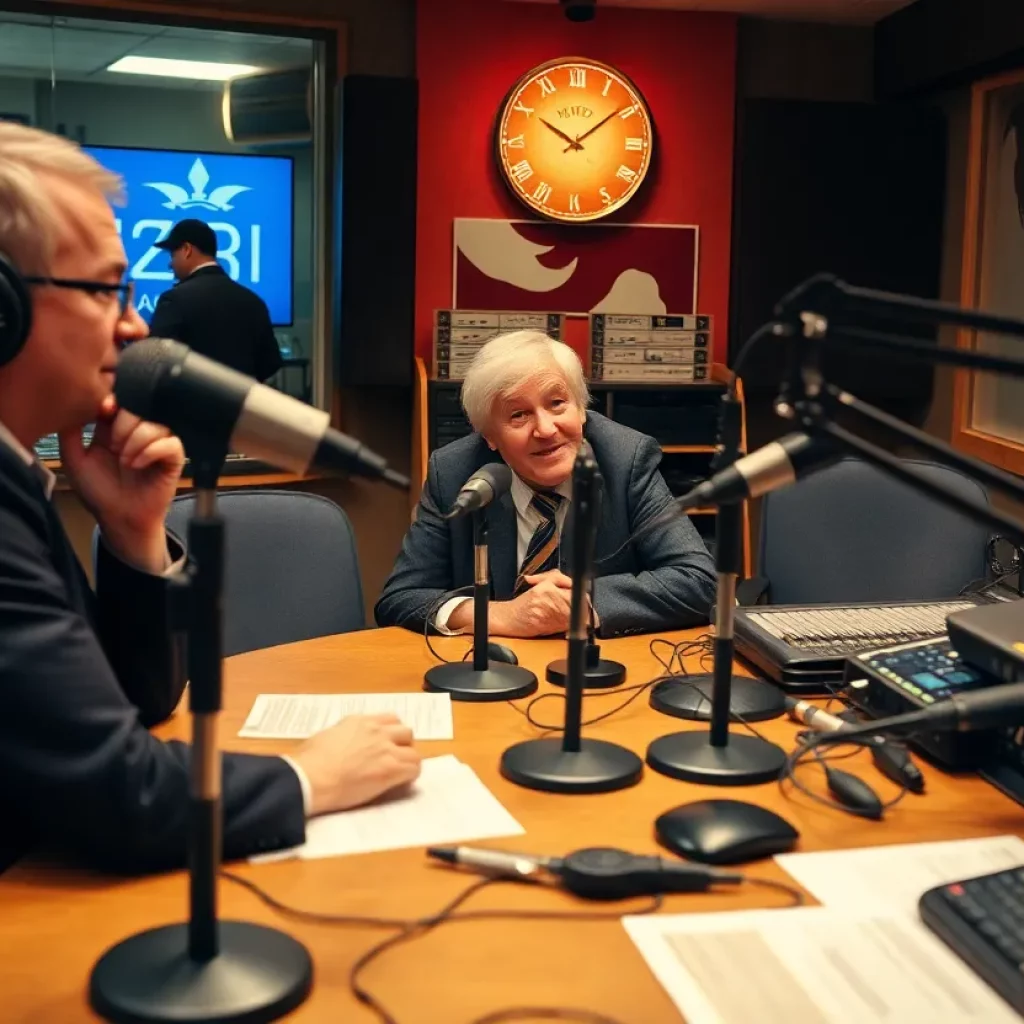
(205, 70)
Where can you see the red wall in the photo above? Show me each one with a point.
(470, 52)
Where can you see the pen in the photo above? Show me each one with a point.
(497, 862)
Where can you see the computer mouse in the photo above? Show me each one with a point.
(499, 652)
(724, 831)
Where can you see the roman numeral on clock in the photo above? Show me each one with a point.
(521, 171)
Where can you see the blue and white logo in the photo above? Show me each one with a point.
(247, 200)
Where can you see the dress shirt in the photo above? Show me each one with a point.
(527, 521)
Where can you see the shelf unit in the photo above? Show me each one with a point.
(682, 417)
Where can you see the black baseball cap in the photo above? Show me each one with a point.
(198, 232)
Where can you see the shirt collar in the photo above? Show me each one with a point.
(203, 266)
(47, 477)
(522, 493)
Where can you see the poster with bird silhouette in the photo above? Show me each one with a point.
(577, 269)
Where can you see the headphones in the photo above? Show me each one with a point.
(15, 311)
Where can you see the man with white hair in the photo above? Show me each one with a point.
(82, 674)
(526, 398)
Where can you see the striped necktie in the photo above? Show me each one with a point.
(542, 552)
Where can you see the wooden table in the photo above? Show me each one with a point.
(55, 923)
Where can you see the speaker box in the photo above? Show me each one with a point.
(849, 188)
(272, 108)
(377, 230)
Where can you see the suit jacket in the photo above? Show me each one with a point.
(82, 675)
(666, 581)
(220, 319)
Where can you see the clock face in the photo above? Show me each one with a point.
(574, 140)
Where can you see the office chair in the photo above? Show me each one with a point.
(291, 572)
(853, 533)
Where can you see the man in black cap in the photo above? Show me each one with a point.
(206, 310)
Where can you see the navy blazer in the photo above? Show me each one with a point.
(82, 675)
(665, 581)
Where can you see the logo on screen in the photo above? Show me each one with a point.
(246, 200)
(179, 198)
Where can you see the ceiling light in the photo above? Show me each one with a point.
(205, 70)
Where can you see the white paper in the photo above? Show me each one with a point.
(295, 716)
(447, 804)
(812, 965)
(891, 879)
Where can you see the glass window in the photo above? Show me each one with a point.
(221, 126)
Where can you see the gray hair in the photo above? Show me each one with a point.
(28, 219)
(510, 360)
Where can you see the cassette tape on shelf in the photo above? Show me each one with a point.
(660, 348)
(460, 333)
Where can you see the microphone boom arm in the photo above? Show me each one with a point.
(825, 308)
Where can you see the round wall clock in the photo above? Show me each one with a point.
(574, 139)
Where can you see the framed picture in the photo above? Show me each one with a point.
(575, 269)
(988, 409)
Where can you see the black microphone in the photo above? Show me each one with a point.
(767, 469)
(486, 484)
(994, 707)
(203, 401)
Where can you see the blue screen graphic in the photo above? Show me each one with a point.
(247, 200)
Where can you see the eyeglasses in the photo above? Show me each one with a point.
(125, 290)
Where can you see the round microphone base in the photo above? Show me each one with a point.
(260, 974)
(496, 682)
(600, 676)
(690, 698)
(597, 767)
(689, 756)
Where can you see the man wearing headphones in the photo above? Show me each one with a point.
(82, 674)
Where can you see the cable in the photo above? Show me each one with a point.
(809, 749)
(414, 928)
(546, 1013)
(746, 348)
(773, 883)
(431, 614)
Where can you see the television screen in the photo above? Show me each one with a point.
(247, 200)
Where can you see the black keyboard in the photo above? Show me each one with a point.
(982, 921)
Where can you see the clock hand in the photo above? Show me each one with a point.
(590, 131)
(558, 131)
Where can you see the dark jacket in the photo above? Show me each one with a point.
(220, 319)
(82, 676)
(665, 581)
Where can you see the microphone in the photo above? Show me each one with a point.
(767, 469)
(205, 402)
(813, 717)
(995, 707)
(484, 486)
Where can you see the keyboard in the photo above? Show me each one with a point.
(982, 921)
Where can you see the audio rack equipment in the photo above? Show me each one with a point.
(803, 648)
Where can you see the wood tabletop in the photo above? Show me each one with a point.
(55, 922)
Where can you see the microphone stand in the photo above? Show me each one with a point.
(695, 697)
(205, 970)
(574, 764)
(718, 758)
(480, 680)
(598, 673)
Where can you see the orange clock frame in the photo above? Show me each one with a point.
(574, 140)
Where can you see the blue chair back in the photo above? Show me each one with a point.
(854, 533)
(291, 567)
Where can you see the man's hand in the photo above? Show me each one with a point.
(357, 760)
(540, 611)
(126, 478)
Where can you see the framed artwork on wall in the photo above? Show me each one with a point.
(988, 410)
(579, 269)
